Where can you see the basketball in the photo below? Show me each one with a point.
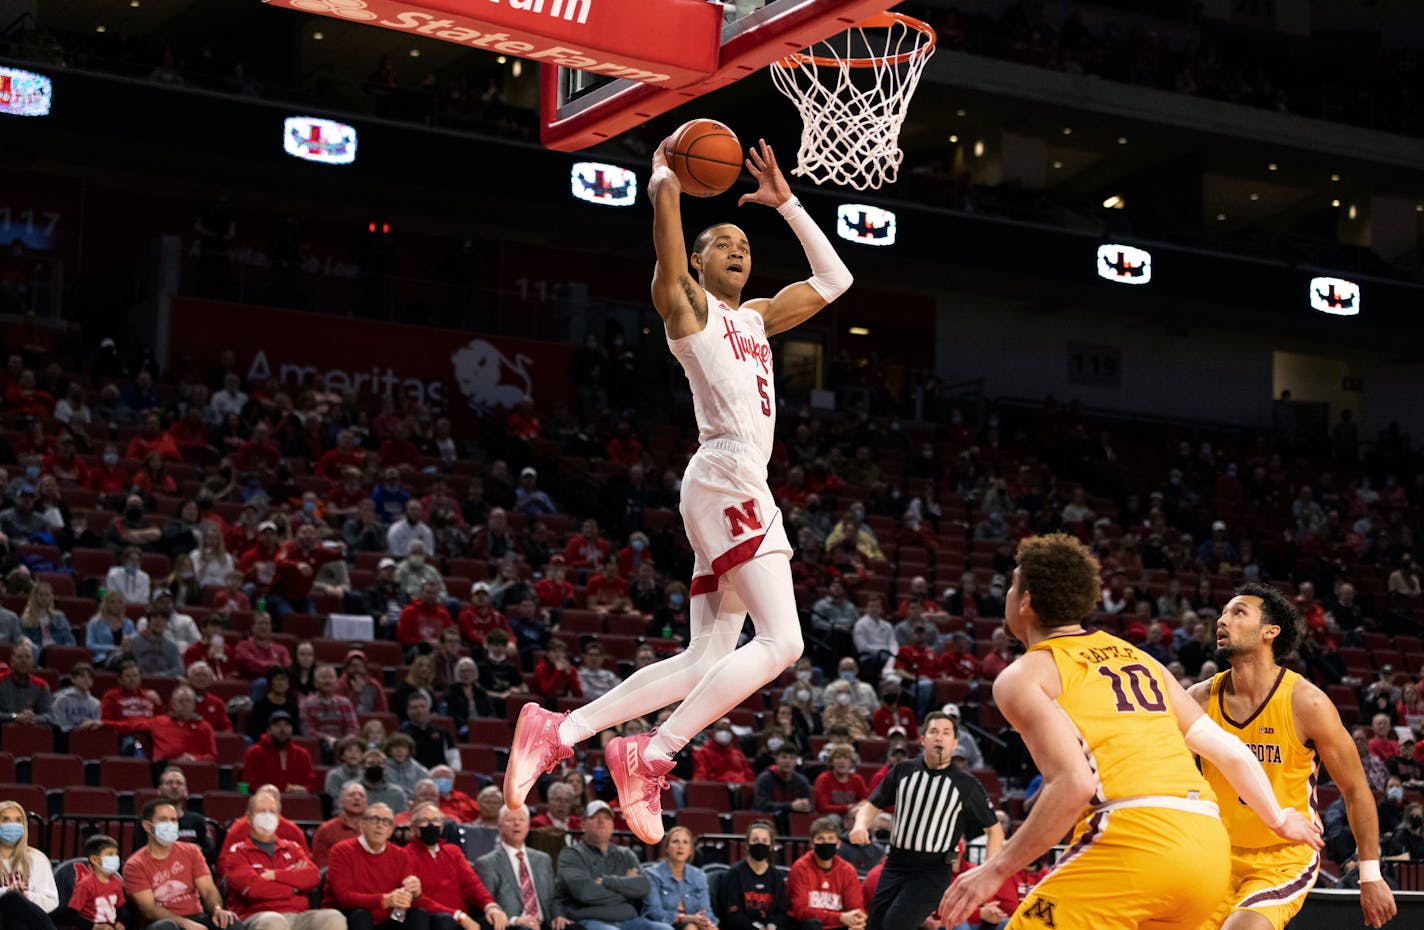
(706, 157)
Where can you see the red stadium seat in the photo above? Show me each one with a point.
(91, 802)
(124, 774)
(302, 808)
(477, 759)
(64, 658)
(490, 731)
(7, 767)
(30, 797)
(224, 806)
(56, 771)
(22, 741)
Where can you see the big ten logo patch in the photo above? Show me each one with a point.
(743, 517)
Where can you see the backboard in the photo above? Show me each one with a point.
(581, 108)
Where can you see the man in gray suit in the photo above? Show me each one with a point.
(521, 878)
(600, 885)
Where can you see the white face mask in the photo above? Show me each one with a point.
(843, 698)
(265, 822)
(723, 737)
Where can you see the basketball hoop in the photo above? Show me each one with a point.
(852, 91)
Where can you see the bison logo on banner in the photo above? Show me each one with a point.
(488, 378)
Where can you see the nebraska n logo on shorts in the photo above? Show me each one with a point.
(742, 518)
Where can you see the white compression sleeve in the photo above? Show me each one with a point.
(829, 275)
(1240, 767)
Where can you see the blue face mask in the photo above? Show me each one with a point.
(11, 833)
(676, 600)
(443, 785)
(636, 545)
(309, 506)
(848, 676)
(166, 833)
(32, 471)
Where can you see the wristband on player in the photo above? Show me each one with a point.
(1369, 870)
(791, 208)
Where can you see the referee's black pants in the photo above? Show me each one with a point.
(907, 894)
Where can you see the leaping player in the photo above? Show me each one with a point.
(742, 554)
(1291, 726)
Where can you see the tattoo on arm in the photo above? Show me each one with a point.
(690, 292)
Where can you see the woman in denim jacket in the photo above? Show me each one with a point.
(679, 894)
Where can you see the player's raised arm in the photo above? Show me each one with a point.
(1238, 764)
(1318, 723)
(678, 299)
(829, 279)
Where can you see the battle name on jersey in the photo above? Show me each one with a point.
(1266, 753)
(1100, 655)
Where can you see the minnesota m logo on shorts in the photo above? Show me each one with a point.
(743, 517)
(1042, 911)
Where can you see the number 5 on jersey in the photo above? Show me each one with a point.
(765, 397)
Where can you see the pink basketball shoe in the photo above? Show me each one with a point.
(640, 785)
(536, 749)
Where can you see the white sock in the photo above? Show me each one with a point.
(764, 585)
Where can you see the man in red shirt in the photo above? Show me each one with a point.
(719, 759)
(454, 803)
(258, 563)
(129, 701)
(958, 660)
(587, 550)
(554, 675)
(840, 786)
(108, 477)
(168, 878)
(345, 499)
(259, 454)
(608, 590)
(179, 735)
(326, 715)
(269, 879)
(368, 878)
(422, 620)
(823, 886)
(68, 469)
(346, 825)
(212, 652)
(400, 451)
(334, 463)
(276, 759)
(480, 617)
(259, 652)
(891, 713)
(920, 593)
(297, 565)
(449, 886)
(554, 590)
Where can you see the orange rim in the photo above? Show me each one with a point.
(886, 20)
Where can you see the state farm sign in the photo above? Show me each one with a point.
(671, 43)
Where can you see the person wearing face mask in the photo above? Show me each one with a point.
(269, 878)
(721, 759)
(27, 890)
(1391, 807)
(169, 882)
(519, 877)
(822, 887)
(108, 477)
(1407, 841)
(452, 892)
(455, 804)
(863, 695)
(671, 621)
(781, 789)
(98, 896)
(842, 711)
(378, 789)
(752, 895)
(416, 569)
(369, 880)
(128, 577)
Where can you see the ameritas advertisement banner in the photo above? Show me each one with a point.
(465, 375)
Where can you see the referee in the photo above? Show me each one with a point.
(932, 800)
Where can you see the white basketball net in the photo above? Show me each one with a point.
(852, 92)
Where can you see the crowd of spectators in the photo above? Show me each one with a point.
(270, 585)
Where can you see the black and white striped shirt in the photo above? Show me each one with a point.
(934, 808)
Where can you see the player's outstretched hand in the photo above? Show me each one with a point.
(964, 894)
(1297, 828)
(1377, 901)
(860, 836)
(662, 172)
(772, 189)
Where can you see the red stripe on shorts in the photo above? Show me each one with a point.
(743, 551)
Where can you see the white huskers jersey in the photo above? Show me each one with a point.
(729, 367)
(727, 508)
